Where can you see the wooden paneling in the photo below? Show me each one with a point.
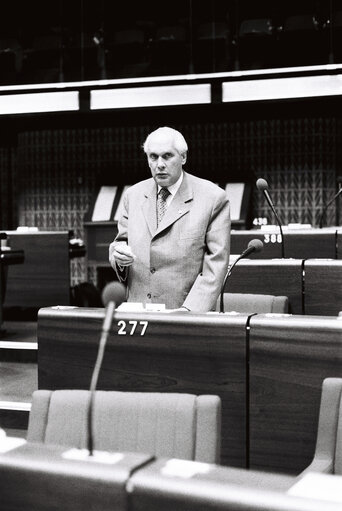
(289, 358)
(99, 235)
(240, 240)
(39, 477)
(339, 243)
(323, 287)
(163, 485)
(311, 243)
(189, 353)
(299, 244)
(273, 277)
(44, 278)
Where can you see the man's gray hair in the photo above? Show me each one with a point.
(179, 141)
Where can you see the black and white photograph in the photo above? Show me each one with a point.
(171, 255)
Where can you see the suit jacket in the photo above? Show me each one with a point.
(184, 260)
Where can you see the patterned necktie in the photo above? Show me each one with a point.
(161, 203)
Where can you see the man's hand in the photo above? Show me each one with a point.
(122, 255)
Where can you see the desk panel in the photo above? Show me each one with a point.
(299, 244)
(303, 244)
(339, 243)
(240, 239)
(171, 485)
(194, 353)
(44, 278)
(270, 276)
(38, 477)
(323, 287)
(289, 358)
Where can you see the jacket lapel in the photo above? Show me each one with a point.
(149, 206)
(179, 206)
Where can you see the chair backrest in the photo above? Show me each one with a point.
(172, 425)
(256, 27)
(249, 303)
(328, 452)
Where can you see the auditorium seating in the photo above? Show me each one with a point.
(211, 48)
(328, 453)
(174, 425)
(249, 303)
(303, 41)
(257, 43)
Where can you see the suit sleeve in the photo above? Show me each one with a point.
(121, 238)
(205, 291)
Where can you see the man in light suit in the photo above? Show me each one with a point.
(173, 236)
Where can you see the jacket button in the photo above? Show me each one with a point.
(152, 270)
(149, 295)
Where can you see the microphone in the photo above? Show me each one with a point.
(326, 207)
(253, 246)
(113, 292)
(262, 186)
(113, 295)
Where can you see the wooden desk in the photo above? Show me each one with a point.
(8, 257)
(299, 244)
(99, 235)
(269, 276)
(289, 358)
(339, 242)
(170, 485)
(44, 279)
(323, 286)
(195, 353)
(38, 477)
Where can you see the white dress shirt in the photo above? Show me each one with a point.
(173, 189)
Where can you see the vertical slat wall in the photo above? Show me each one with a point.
(58, 170)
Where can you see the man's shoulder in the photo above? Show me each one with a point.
(205, 186)
(141, 186)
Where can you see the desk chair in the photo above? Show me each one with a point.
(169, 50)
(248, 303)
(257, 44)
(172, 425)
(328, 452)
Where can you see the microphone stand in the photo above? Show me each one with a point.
(278, 222)
(226, 278)
(326, 207)
(107, 323)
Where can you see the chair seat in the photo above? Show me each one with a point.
(251, 303)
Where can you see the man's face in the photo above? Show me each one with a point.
(164, 160)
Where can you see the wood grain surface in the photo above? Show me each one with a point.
(38, 477)
(339, 243)
(323, 287)
(279, 277)
(299, 244)
(210, 487)
(289, 358)
(44, 278)
(189, 353)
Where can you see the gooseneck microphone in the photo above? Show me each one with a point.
(253, 246)
(326, 207)
(112, 296)
(262, 186)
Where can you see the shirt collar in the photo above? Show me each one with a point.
(173, 189)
